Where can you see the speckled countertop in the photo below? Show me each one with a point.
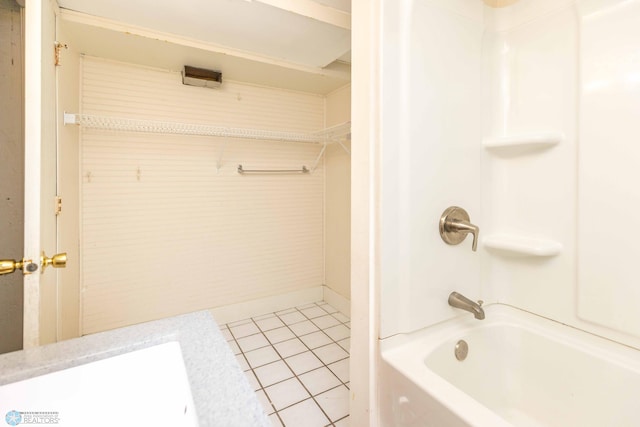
(220, 390)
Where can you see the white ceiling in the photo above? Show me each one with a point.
(244, 25)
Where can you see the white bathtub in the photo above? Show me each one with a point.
(521, 370)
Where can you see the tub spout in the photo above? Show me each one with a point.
(460, 301)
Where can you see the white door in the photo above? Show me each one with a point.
(40, 290)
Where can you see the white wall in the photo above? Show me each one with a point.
(164, 232)
(337, 223)
(69, 189)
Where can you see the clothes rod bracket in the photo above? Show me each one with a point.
(283, 171)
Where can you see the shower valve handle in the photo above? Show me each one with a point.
(455, 225)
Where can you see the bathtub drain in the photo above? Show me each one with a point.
(461, 350)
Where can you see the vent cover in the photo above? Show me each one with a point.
(200, 77)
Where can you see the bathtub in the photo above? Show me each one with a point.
(521, 370)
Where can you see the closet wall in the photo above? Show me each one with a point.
(338, 198)
(164, 230)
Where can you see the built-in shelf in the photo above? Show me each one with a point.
(526, 141)
(522, 245)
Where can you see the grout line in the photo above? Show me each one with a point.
(295, 336)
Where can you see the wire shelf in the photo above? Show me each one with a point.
(332, 134)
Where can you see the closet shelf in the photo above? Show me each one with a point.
(325, 136)
(524, 141)
(523, 245)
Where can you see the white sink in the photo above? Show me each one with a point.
(146, 387)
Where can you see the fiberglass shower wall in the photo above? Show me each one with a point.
(524, 116)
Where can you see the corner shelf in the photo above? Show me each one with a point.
(522, 245)
(524, 142)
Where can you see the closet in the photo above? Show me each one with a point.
(178, 198)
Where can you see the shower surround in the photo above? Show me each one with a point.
(523, 116)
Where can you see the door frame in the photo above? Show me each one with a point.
(40, 306)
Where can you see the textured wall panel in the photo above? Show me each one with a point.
(163, 231)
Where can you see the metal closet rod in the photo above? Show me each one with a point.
(243, 171)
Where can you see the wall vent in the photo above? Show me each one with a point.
(200, 77)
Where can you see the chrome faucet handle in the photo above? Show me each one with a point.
(455, 225)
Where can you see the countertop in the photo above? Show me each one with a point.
(221, 392)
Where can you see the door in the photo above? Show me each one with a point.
(39, 223)
(40, 290)
(11, 171)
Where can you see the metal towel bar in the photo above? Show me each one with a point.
(243, 171)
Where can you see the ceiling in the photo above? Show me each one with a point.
(308, 33)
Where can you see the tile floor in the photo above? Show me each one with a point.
(297, 361)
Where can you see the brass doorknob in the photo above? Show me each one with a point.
(9, 266)
(56, 261)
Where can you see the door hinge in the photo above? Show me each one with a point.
(57, 46)
(58, 205)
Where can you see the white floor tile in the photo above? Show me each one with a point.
(242, 362)
(316, 339)
(341, 369)
(330, 353)
(234, 347)
(335, 402)
(279, 335)
(341, 317)
(302, 307)
(275, 421)
(342, 423)
(261, 356)
(304, 414)
(290, 347)
(325, 321)
(293, 317)
(303, 362)
(261, 343)
(239, 322)
(328, 308)
(269, 323)
(253, 382)
(304, 328)
(286, 393)
(252, 342)
(273, 373)
(338, 332)
(226, 334)
(346, 344)
(244, 330)
(313, 312)
(264, 401)
(264, 316)
(319, 380)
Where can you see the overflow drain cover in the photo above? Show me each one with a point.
(461, 350)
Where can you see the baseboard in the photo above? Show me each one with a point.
(258, 307)
(336, 300)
